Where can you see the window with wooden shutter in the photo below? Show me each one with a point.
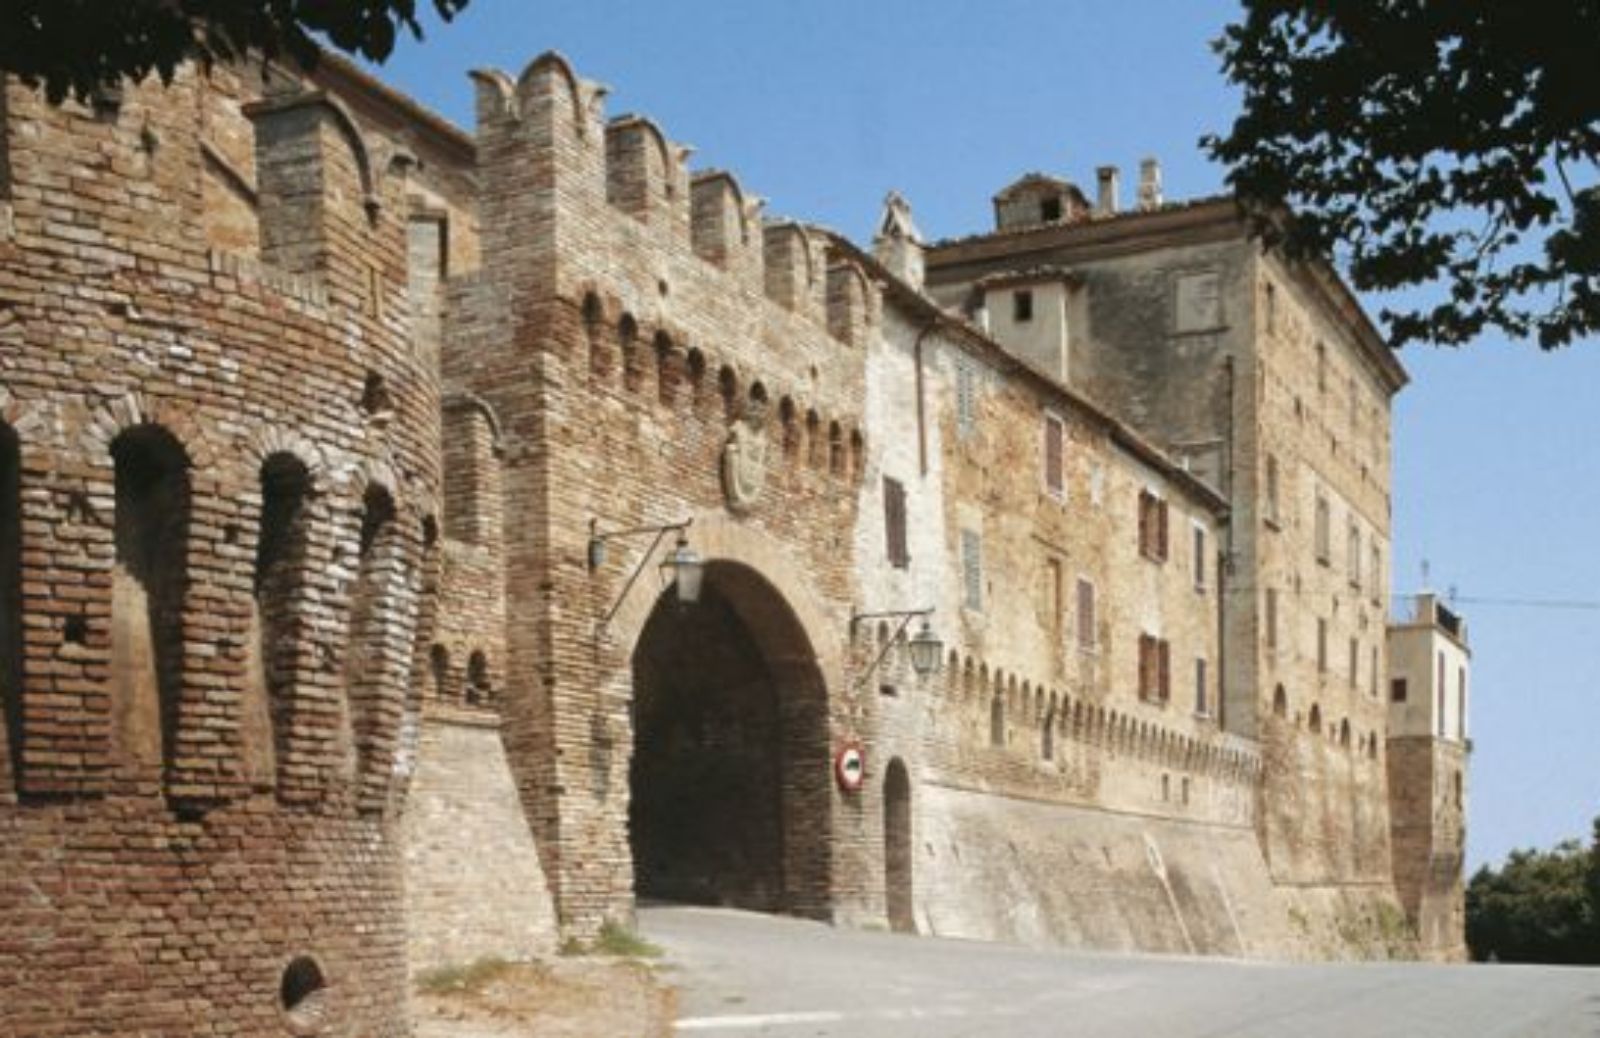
(1199, 557)
(1055, 477)
(972, 569)
(1086, 618)
(1147, 667)
(1152, 526)
(966, 398)
(1164, 657)
(894, 522)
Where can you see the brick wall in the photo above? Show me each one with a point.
(190, 809)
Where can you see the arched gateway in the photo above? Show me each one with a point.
(730, 797)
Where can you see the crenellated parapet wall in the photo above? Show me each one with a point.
(218, 501)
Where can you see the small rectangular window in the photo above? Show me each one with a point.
(894, 522)
(1022, 305)
(1086, 618)
(1271, 508)
(1050, 209)
(1355, 663)
(1324, 530)
(1272, 618)
(1397, 690)
(1322, 646)
(1152, 526)
(1201, 705)
(1051, 596)
(1372, 674)
(1353, 554)
(1155, 668)
(972, 569)
(1055, 476)
(1199, 557)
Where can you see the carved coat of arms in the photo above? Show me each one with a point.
(744, 463)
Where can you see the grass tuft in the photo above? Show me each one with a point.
(464, 978)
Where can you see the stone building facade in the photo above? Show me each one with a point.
(341, 454)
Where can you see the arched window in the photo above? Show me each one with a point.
(279, 583)
(592, 316)
(628, 342)
(1344, 733)
(439, 670)
(479, 690)
(997, 720)
(150, 584)
(11, 593)
(666, 369)
(1280, 702)
(371, 604)
(1315, 722)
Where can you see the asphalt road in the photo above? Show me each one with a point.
(742, 974)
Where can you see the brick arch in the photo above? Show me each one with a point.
(721, 539)
(267, 440)
(758, 839)
(115, 416)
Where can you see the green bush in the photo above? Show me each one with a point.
(1540, 906)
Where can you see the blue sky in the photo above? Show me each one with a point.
(821, 107)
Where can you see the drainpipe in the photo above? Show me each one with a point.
(1229, 378)
(922, 427)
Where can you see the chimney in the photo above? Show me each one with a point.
(1108, 179)
(1149, 185)
(898, 244)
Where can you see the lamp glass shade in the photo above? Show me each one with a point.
(685, 565)
(926, 651)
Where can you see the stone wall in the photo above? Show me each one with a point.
(474, 885)
(199, 812)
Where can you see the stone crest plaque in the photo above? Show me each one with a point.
(744, 464)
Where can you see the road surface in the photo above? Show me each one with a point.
(742, 974)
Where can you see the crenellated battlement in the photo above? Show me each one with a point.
(558, 174)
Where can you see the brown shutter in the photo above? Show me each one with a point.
(1161, 528)
(894, 522)
(1166, 669)
(1054, 475)
(1144, 666)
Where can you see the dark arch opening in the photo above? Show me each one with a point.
(149, 584)
(279, 580)
(11, 669)
(301, 993)
(372, 605)
(439, 668)
(730, 798)
(897, 861)
(479, 690)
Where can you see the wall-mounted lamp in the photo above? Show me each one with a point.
(925, 648)
(682, 566)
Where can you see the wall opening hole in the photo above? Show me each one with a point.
(76, 630)
(303, 995)
(375, 398)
